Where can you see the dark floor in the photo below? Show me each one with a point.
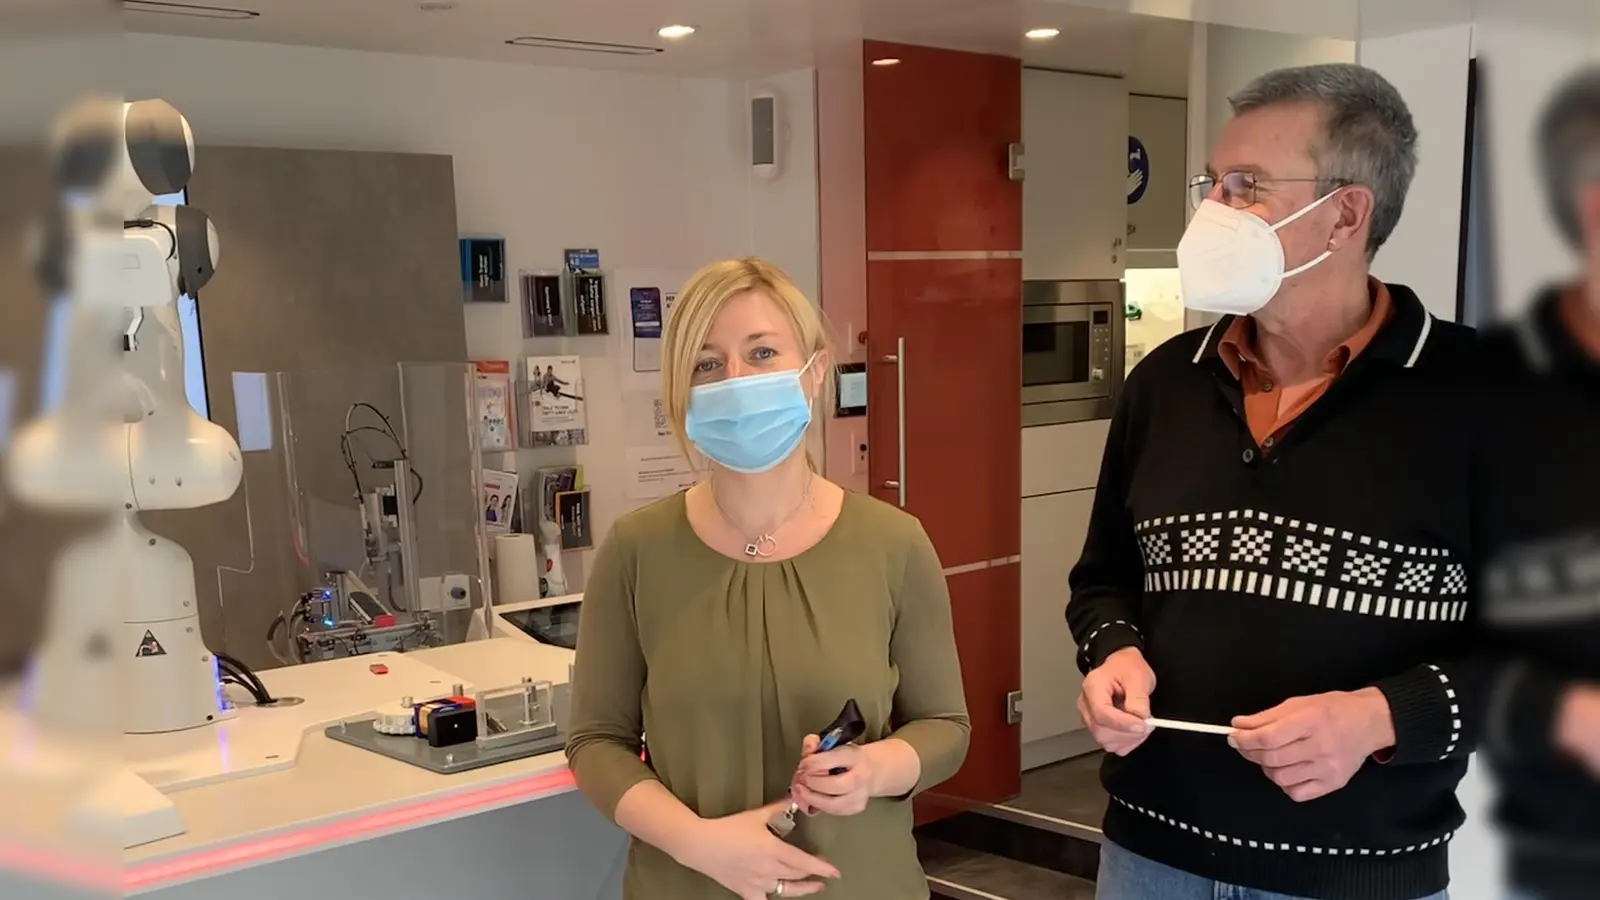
(951, 869)
(1042, 845)
(1068, 790)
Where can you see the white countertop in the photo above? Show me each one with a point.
(338, 794)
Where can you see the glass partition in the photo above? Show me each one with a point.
(362, 490)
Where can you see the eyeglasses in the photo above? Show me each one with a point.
(1239, 188)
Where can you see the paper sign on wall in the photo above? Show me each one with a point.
(656, 472)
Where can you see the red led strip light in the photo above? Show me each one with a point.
(251, 852)
(61, 869)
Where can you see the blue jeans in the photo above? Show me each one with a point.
(1125, 875)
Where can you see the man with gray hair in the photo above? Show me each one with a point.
(1542, 731)
(1272, 608)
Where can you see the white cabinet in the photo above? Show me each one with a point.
(1053, 528)
(1075, 193)
(1158, 213)
(1058, 458)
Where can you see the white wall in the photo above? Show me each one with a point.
(1526, 49)
(651, 170)
(1237, 56)
(1429, 69)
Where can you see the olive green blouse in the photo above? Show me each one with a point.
(725, 665)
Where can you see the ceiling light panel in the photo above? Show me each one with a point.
(554, 43)
(192, 10)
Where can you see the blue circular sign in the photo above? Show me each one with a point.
(1138, 170)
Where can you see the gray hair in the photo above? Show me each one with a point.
(1368, 135)
(1569, 148)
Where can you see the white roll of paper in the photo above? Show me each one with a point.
(516, 568)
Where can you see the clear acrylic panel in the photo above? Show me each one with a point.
(362, 487)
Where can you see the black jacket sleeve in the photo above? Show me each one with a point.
(1438, 708)
(1107, 582)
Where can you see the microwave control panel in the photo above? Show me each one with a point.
(1099, 344)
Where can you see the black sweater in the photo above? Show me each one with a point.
(1540, 599)
(1334, 562)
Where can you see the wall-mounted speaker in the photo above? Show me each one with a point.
(765, 135)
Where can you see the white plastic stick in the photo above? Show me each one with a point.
(1197, 727)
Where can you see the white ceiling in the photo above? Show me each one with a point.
(734, 37)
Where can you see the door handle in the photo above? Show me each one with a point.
(898, 359)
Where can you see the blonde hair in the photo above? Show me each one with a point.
(696, 308)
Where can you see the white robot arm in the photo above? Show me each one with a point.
(125, 421)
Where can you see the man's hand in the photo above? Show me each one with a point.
(1313, 746)
(1578, 725)
(1115, 701)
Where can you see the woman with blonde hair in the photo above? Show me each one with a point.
(732, 621)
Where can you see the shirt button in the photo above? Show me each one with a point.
(1249, 456)
(1268, 443)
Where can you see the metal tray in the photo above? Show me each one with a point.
(443, 760)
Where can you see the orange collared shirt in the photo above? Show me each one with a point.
(1269, 407)
(1579, 320)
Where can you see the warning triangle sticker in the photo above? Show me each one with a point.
(149, 646)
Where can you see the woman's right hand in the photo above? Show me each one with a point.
(739, 853)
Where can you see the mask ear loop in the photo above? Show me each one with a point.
(1291, 219)
(799, 376)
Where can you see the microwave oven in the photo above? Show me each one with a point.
(1072, 350)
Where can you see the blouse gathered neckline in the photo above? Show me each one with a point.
(845, 504)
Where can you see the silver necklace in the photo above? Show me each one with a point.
(765, 544)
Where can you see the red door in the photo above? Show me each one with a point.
(944, 308)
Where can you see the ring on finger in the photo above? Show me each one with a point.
(778, 891)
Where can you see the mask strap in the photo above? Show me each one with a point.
(1315, 260)
(1313, 205)
(1298, 269)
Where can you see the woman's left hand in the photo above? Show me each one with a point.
(845, 794)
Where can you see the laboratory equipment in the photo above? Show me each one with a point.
(124, 439)
(461, 731)
(122, 647)
(346, 615)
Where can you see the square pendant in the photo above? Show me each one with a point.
(751, 550)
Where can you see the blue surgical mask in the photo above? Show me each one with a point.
(749, 424)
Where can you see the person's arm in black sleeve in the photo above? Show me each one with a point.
(1436, 710)
(1107, 582)
(1438, 707)
(1524, 709)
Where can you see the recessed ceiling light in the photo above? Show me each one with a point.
(1042, 34)
(194, 10)
(673, 32)
(886, 61)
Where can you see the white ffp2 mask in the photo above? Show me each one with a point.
(1231, 262)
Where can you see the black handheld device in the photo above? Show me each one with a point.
(846, 728)
(849, 726)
